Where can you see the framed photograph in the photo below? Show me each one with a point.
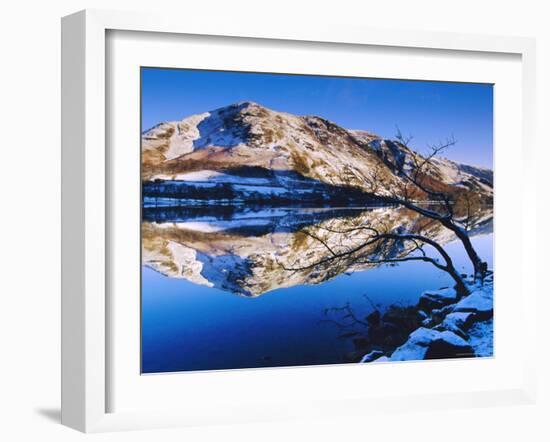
(274, 239)
(264, 222)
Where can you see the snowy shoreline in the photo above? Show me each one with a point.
(450, 326)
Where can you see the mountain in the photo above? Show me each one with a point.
(396, 156)
(277, 153)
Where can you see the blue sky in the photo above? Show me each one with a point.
(430, 111)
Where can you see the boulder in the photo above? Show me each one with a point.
(457, 331)
(458, 320)
(425, 343)
(438, 315)
(436, 299)
(447, 309)
(449, 345)
(479, 303)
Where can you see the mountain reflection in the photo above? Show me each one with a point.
(251, 252)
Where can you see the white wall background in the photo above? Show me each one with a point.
(29, 215)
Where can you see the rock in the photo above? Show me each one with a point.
(436, 299)
(373, 318)
(479, 302)
(449, 346)
(422, 315)
(458, 323)
(416, 346)
(427, 322)
(425, 343)
(382, 359)
(447, 309)
(437, 316)
(373, 355)
(458, 320)
(457, 331)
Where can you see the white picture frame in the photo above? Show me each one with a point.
(86, 352)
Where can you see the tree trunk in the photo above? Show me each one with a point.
(460, 286)
(480, 267)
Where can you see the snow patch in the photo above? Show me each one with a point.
(420, 341)
(481, 338)
(372, 356)
(200, 175)
(198, 227)
(479, 302)
(432, 299)
(185, 134)
(457, 320)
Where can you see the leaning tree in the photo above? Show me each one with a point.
(418, 184)
(418, 190)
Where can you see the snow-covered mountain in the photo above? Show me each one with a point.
(445, 172)
(215, 146)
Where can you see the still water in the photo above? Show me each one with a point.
(240, 290)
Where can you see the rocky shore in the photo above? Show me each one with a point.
(441, 325)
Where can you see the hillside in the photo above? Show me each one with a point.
(246, 144)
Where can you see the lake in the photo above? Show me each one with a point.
(248, 288)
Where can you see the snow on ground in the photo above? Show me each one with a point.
(481, 338)
(185, 134)
(421, 340)
(479, 302)
(200, 175)
(375, 354)
(437, 298)
(457, 321)
(451, 329)
(196, 226)
(455, 173)
(218, 177)
(213, 130)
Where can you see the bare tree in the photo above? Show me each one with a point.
(417, 183)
